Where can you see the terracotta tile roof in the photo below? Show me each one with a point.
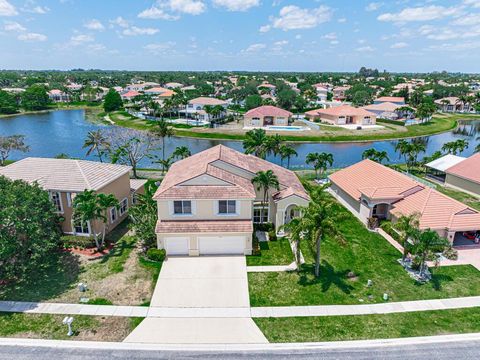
(203, 100)
(385, 106)
(157, 89)
(390, 99)
(136, 184)
(206, 226)
(468, 169)
(64, 174)
(342, 110)
(131, 94)
(408, 196)
(267, 110)
(238, 186)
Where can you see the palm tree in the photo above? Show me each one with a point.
(455, 147)
(461, 145)
(449, 148)
(424, 243)
(408, 226)
(272, 144)
(105, 202)
(320, 162)
(96, 141)
(296, 234)
(403, 148)
(375, 155)
(320, 218)
(265, 180)
(286, 152)
(163, 129)
(415, 149)
(254, 142)
(181, 152)
(86, 209)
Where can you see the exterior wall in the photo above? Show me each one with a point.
(462, 184)
(204, 210)
(194, 249)
(279, 209)
(337, 120)
(355, 204)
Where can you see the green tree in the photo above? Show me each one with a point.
(106, 201)
(29, 229)
(112, 101)
(8, 103)
(144, 216)
(286, 98)
(408, 227)
(375, 155)
(11, 143)
(254, 143)
(96, 142)
(455, 147)
(164, 130)
(428, 243)
(273, 144)
(320, 162)
(253, 101)
(265, 181)
(286, 152)
(35, 98)
(181, 152)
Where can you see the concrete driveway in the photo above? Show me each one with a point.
(190, 292)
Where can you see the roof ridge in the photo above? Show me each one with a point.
(77, 162)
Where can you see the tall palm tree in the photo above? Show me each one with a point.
(408, 226)
(375, 155)
(415, 149)
(96, 141)
(461, 145)
(254, 142)
(106, 201)
(296, 233)
(86, 209)
(163, 129)
(286, 152)
(320, 162)
(424, 243)
(265, 180)
(272, 144)
(181, 152)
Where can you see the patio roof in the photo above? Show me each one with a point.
(445, 162)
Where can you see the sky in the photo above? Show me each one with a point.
(253, 35)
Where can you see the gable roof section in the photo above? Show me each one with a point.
(342, 110)
(204, 100)
(468, 169)
(64, 174)
(267, 110)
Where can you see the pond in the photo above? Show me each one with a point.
(64, 131)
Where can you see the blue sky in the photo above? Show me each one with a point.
(285, 35)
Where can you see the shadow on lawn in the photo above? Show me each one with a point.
(438, 280)
(328, 277)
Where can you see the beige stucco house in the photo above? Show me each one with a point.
(207, 203)
(342, 115)
(64, 178)
(267, 115)
(465, 175)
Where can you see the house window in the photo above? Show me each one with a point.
(182, 207)
(82, 227)
(227, 207)
(260, 215)
(123, 206)
(57, 201)
(69, 199)
(113, 215)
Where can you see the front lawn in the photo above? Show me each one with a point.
(46, 326)
(276, 252)
(346, 268)
(120, 278)
(334, 328)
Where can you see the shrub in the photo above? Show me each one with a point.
(372, 223)
(393, 122)
(272, 235)
(156, 254)
(388, 228)
(450, 253)
(263, 227)
(99, 301)
(72, 241)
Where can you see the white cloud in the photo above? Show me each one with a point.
(32, 7)
(7, 9)
(373, 6)
(14, 26)
(264, 28)
(298, 37)
(119, 21)
(134, 31)
(254, 48)
(292, 17)
(32, 37)
(468, 20)
(94, 24)
(399, 45)
(330, 36)
(159, 48)
(425, 13)
(365, 49)
(81, 38)
(156, 13)
(281, 43)
(163, 8)
(334, 42)
(342, 20)
(237, 5)
(192, 7)
(426, 29)
(472, 3)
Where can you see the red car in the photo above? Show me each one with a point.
(470, 235)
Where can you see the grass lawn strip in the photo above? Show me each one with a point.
(276, 252)
(363, 327)
(46, 326)
(346, 268)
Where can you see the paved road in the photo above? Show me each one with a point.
(459, 350)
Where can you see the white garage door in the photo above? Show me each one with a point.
(210, 245)
(176, 245)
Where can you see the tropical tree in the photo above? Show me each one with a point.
(375, 155)
(11, 143)
(144, 216)
(286, 152)
(254, 143)
(164, 130)
(35, 98)
(426, 241)
(181, 152)
(272, 144)
(106, 201)
(425, 111)
(416, 148)
(86, 209)
(455, 147)
(112, 101)
(320, 162)
(265, 181)
(408, 227)
(96, 141)
(403, 148)
(296, 233)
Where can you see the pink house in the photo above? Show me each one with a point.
(267, 115)
(342, 115)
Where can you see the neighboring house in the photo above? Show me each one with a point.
(267, 115)
(342, 115)
(156, 91)
(436, 168)
(130, 95)
(196, 108)
(74, 87)
(339, 92)
(142, 86)
(58, 96)
(207, 203)
(173, 85)
(453, 104)
(267, 87)
(465, 175)
(398, 100)
(322, 92)
(64, 178)
(390, 111)
(371, 190)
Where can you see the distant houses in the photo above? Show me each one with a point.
(452, 104)
(56, 95)
(198, 108)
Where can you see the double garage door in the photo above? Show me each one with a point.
(207, 245)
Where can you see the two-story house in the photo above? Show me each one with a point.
(65, 178)
(196, 108)
(207, 203)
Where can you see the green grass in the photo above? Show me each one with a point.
(272, 253)
(368, 256)
(99, 301)
(334, 328)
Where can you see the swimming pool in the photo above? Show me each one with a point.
(286, 128)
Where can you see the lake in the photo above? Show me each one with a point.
(64, 131)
